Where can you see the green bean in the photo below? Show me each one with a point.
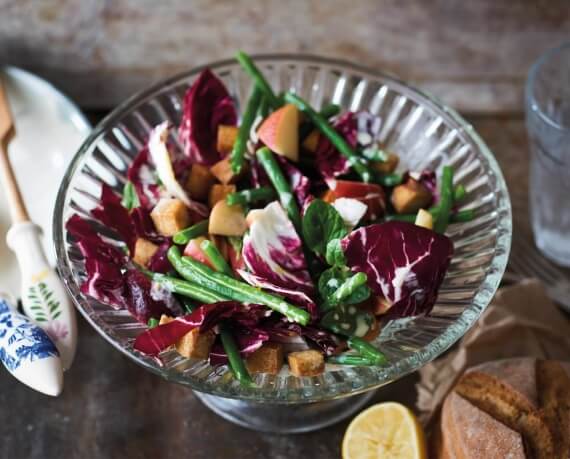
(222, 284)
(357, 163)
(260, 81)
(237, 364)
(459, 193)
(366, 350)
(446, 200)
(237, 154)
(348, 287)
(189, 289)
(199, 229)
(460, 216)
(348, 359)
(218, 261)
(245, 197)
(280, 183)
(328, 111)
(264, 108)
(392, 179)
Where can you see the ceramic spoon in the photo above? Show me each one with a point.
(44, 299)
(27, 352)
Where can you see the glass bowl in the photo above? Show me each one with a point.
(422, 131)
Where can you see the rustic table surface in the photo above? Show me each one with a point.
(472, 54)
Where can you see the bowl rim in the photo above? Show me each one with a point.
(437, 346)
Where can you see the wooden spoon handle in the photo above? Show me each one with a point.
(18, 210)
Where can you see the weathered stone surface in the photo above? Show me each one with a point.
(474, 55)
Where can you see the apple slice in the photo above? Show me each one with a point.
(194, 251)
(280, 132)
(227, 220)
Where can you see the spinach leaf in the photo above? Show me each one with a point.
(321, 224)
(130, 198)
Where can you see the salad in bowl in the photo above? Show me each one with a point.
(266, 238)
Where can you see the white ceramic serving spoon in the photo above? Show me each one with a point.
(44, 299)
(27, 352)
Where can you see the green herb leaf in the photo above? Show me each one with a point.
(321, 224)
(334, 254)
(130, 199)
(152, 322)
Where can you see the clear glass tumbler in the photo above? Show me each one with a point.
(548, 123)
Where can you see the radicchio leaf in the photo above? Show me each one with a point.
(273, 252)
(207, 104)
(329, 161)
(248, 340)
(141, 175)
(112, 213)
(138, 298)
(404, 263)
(155, 340)
(300, 185)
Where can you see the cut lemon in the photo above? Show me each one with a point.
(384, 431)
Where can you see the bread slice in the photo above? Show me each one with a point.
(466, 426)
(553, 381)
(512, 400)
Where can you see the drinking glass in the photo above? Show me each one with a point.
(548, 123)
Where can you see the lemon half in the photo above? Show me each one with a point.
(384, 431)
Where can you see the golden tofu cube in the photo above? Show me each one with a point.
(199, 182)
(170, 216)
(306, 363)
(410, 197)
(311, 142)
(267, 359)
(388, 166)
(219, 192)
(144, 250)
(222, 170)
(195, 344)
(227, 136)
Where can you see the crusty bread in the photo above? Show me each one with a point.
(512, 408)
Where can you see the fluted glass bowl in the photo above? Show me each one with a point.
(422, 131)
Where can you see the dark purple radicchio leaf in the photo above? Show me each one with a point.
(329, 161)
(155, 340)
(404, 263)
(282, 330)
(159, 262)
(104, 279)
(141, 175)
(248, 340)
(112, 213)
(207, 104)
(273, 254)
(138, 297)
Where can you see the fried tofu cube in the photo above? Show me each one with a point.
(223, 171)
(195, 344)
(306, 363)
(410, 197)
(219, 192)
(144, 250)
(199, 182)
(388, 166)
(227, 136)
(267, 359)
(170, 216)
(311, 142)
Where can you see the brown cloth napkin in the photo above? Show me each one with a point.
(520, 321)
